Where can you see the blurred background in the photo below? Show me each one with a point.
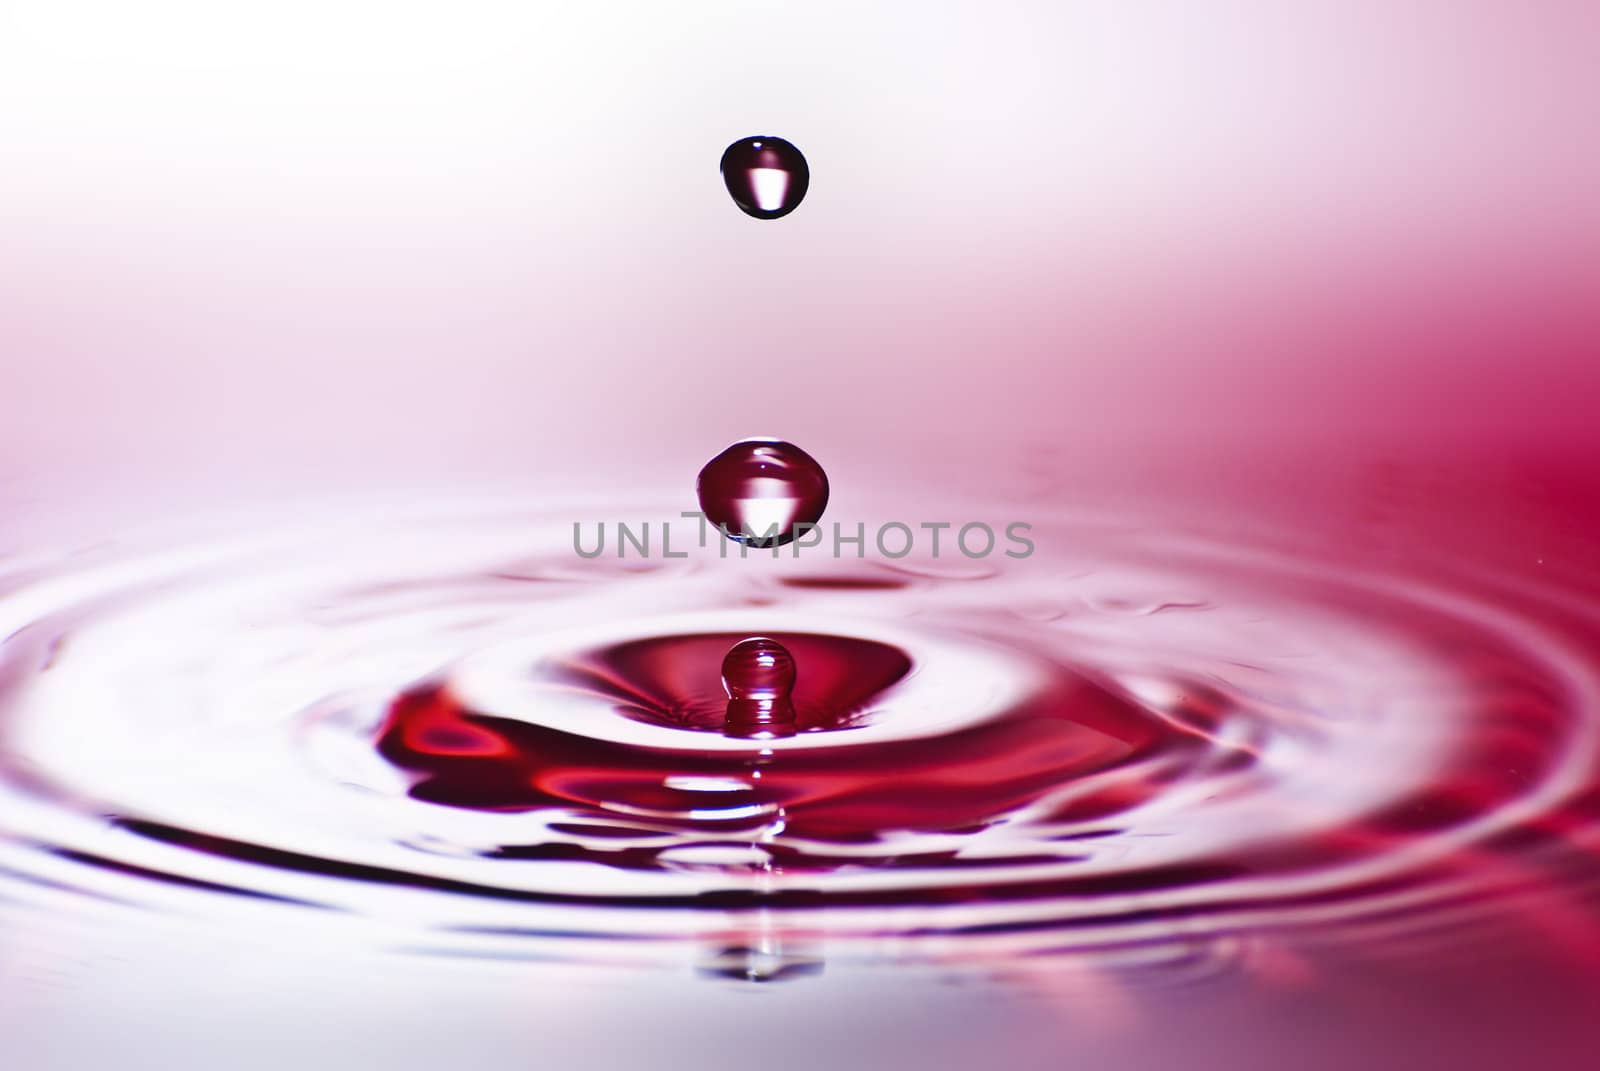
(262, 249)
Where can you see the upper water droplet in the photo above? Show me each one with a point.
(758, 490)
(766, 176)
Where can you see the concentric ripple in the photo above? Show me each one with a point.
(456, 736)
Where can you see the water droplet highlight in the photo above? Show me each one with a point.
(767, 177)
(759, 490)
(758, 675)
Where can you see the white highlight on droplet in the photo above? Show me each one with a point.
(770, 185)
(686, 783)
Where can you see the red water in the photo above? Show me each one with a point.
(1175, 750)
(844, 797)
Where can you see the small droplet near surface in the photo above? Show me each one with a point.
(767, 962)
(767, 177)
(758, 675)
(759, 490)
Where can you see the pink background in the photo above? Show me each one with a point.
(258, 251)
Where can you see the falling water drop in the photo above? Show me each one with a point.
(758, 675)
(758, 490)
(766, 176)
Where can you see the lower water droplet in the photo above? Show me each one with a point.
(758, 675)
